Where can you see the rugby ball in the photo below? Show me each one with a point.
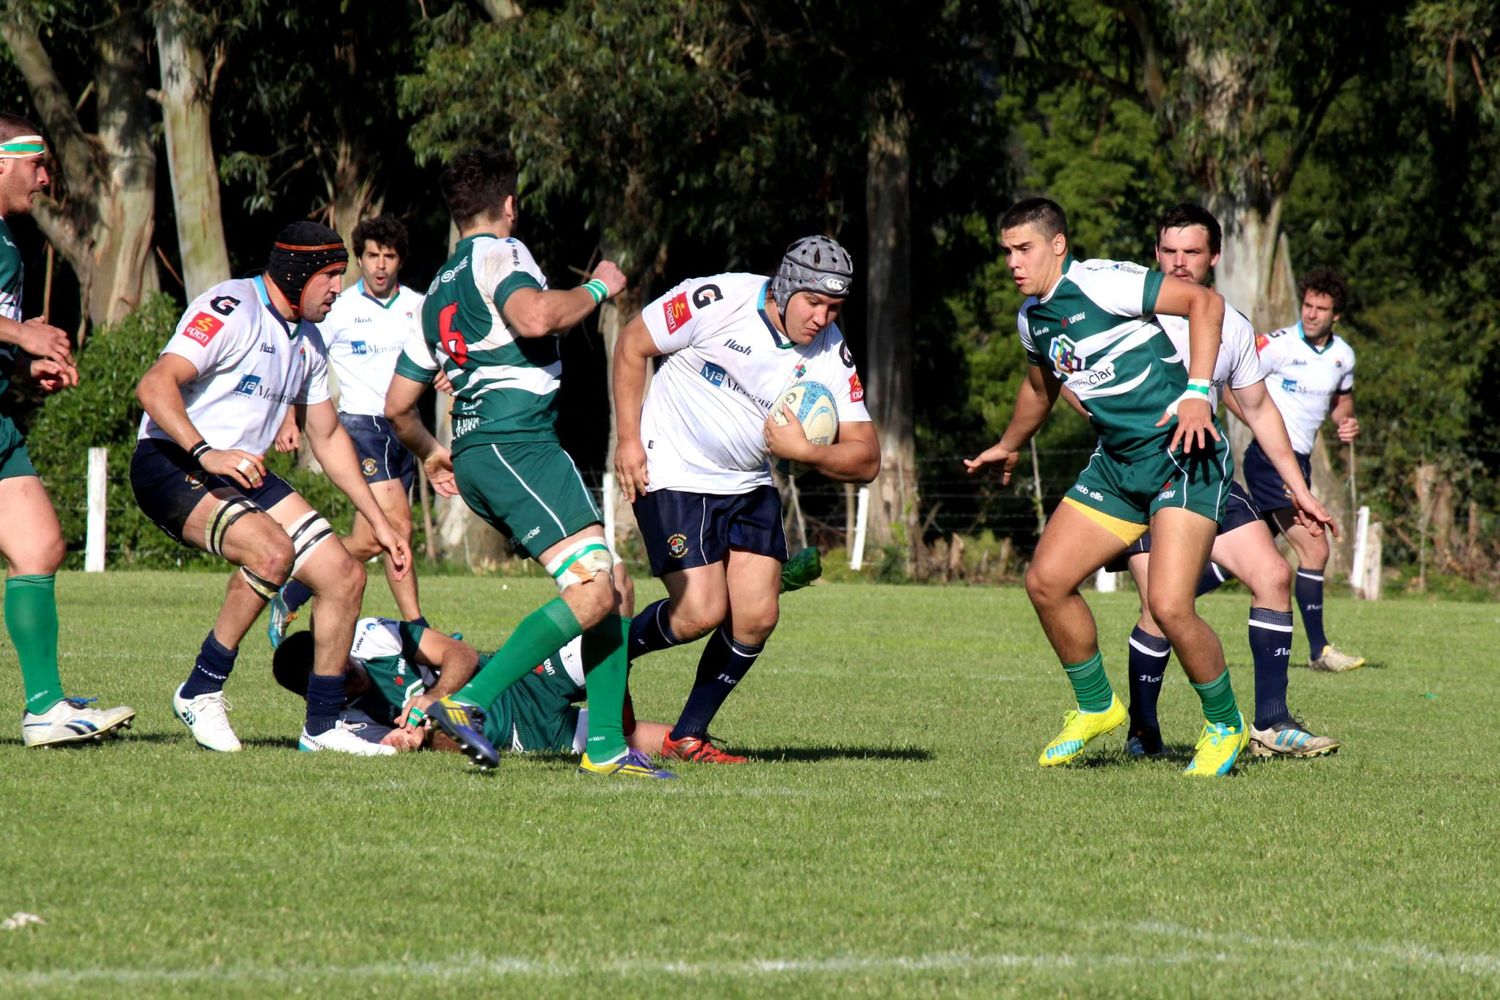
(815, 409)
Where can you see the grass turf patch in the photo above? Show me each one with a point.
(894, 834)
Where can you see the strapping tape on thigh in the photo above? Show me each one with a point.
(309, 531)
(580, 562)
(222, 519)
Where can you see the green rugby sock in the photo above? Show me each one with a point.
(1090, 684)
(539, 635)
(1218, 701)
(606, 662)
(31, 619)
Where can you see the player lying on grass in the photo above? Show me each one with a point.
(1089, 325)
(396, 665)
(1188, 241)
(693, 456)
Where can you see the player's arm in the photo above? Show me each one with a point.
(633, 351)
(401, 410)
(1204, 309)
(454, 661)
(1343, 416)
(853, 458)
(160, 394)
(1253, 404)
(1034, 400)
(534, 312)
(39, 339)
(335, 452)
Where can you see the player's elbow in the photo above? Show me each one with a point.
(869, 468)
(533, 321)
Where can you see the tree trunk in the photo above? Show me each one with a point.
(894, 506)
(186, 103)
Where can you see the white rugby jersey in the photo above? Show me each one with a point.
(1238, 364)
(1303, 380)
(725, 366)
(251, 364)
(364, 336)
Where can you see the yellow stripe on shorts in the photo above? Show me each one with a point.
(1125, 531)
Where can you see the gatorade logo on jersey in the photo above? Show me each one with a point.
(856, 390)
(676, 311)
(202, 327)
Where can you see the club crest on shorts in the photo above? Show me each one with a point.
(194, 480)
(368, 467)
(677, 545)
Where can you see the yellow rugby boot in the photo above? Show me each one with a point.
(1218, 748)
(1080, 727)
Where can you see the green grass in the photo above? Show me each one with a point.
(895, 835)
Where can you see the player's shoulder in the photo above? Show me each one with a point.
(375, 636)
(1236, 324)
(230, 305)
(1100, 265)
(1100, 277)
(721, 292)
(1342, 349)
(1274, 339)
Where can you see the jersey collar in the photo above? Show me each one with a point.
(1316, 350)
(781, 341)
(1067, 262)
(384, 305)
(287, 327)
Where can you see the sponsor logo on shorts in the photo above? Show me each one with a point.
(677, 311)
(1081, 488)
(368, 467)
(856, 390)
(202, 328)
(1096, 495)
(531, 534)
(705, 295)
(247, 385)
(677, 545)
(1166, 494)
(194, 480)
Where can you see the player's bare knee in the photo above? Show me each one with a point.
(1041, 588)
(1172, 613)
(1270, 582)
(271, 559)
(591, 602)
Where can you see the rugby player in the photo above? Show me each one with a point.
(1088, 325)
(1310, 375)
(490, 324)
(1188, 243)
(364, 332)
(245, 351)
(30, 538)
(694, 460)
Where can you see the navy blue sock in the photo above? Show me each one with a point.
(1214, 576)
(1271, 647)
(651, 630)
(1309, 590)
(325, 700)
(724, 663)
(1148, 662)
(211, 669)
(295, 594)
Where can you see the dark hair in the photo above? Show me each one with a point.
(14, 125)
(292, 663)
(1046, 215)
(477, 182)
(1186, 214)
(386, 230)
(1324, 281)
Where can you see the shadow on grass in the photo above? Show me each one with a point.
(774, 754)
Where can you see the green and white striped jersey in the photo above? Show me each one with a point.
(504, 385)
(1096, 330)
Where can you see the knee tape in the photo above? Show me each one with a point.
(222, 519)
(310, 531)
(265, 588)
(580, 562)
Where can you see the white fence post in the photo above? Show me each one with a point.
(861, 522)
(608, 503)
(1361, 551)
(98, 488)
(1106, 582)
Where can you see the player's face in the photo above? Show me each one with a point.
(1184, 253)
(809, 314)
(1035, 262)
(381, 266)
(20, 182)
(1318, 316)
(318, 294)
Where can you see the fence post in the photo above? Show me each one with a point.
(861, 522)
(1361, 551)
(98, 487)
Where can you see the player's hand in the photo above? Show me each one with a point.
(1311, 514)
(404, 739)
(237, 466)
(1348, 429)
(995, 453)
(442, 383)
(42, 340)
(614, 279)
(630, 469)
(51, 376)
(439, 467)
(395, 545)
(289, 438)
(788, 440)
(1195, 425)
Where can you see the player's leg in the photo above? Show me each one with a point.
(686, 536)
(1249, 551)
(1312, 560)
(1147, 654)
(391, 495)
(1077, 541)
(31, 542)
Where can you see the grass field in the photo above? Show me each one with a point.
(893, 837)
